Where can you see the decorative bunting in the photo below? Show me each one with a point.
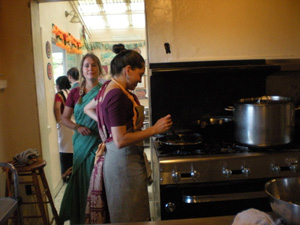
(66, 41)
(106, 46)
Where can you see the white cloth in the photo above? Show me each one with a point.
(65, 134)
(253, 217)
(65, 138)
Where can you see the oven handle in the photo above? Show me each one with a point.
(222, 197)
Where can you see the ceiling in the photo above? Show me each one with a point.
(110, 14)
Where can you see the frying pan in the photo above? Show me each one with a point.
(183, 139)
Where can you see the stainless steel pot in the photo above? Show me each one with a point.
(264, 121)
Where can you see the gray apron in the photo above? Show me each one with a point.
(125, 183)
(125, 176)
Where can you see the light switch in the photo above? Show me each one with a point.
(3, 84)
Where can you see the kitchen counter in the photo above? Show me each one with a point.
(221, 220)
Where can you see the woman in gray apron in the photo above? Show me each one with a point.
(120, 118)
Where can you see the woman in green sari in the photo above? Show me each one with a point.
(85, 140)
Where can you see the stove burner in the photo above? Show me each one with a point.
(183, 152)
(218, 148)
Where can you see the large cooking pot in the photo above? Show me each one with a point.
(284, 195)
(264, 121)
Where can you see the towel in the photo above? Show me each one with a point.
(254, 217)
(26, 157)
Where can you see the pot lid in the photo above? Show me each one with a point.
(266, 100)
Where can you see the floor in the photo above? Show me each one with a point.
(59, 196)
(58, 199)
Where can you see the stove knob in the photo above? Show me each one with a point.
(176, 177)
(294, 167)
(170, 207)
(227, 172)
(276, 169)
(246, 171)
(195, 175)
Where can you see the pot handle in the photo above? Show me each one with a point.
(229, 108)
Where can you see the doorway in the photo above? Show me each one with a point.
(100, 42)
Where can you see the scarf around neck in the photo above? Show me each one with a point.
(138, 109)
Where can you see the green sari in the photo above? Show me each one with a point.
(85, 147)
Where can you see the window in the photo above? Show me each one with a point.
(112, 14)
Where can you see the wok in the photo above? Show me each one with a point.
(284, 196)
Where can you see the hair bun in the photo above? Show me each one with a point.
(117, 48)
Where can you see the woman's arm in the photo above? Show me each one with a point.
(66, 119)
(123, 139)
(90, 110)
(57, 112)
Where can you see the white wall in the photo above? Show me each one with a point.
(118, 35)
(200, 30)
(53, 13)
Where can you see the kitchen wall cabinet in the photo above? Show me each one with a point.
(201, 30)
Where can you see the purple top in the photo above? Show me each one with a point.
(115, 110)
(73, 97)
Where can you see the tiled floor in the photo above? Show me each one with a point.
(58, 199)
(59, 196)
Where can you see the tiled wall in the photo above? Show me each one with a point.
(286, 83)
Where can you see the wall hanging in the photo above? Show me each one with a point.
(66, 41)
(48, 49)
(49, 71)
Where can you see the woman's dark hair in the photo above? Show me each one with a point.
(74, 73)
(117, 48)
(83, 81)
(125, 58)
(63, 82)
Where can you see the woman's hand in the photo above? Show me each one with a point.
(83, 130)
(66, 119)
(163, 124)
(122, 138)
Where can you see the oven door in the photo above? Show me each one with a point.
(212, 199)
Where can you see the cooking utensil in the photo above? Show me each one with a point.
(284, 195)
(264, 121)
(214, 129)
(174, 133)
(185, 139)
(213, 120)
